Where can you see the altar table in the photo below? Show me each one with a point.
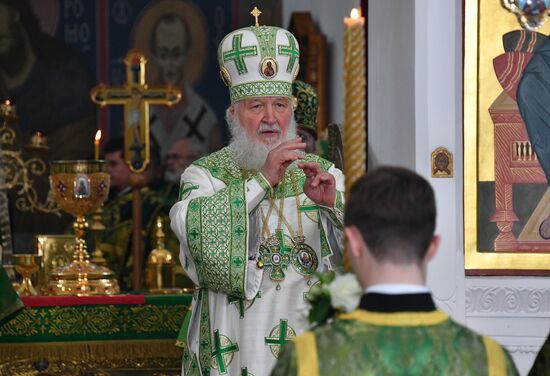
(94, 336)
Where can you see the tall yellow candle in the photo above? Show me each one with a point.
(355, 83)
(96, 144)
(354, 117)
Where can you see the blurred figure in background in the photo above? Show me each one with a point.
(181, 154)
(305, 114)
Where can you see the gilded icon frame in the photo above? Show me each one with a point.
(479, 261)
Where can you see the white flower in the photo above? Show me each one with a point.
(345, 292)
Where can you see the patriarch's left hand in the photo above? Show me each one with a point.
(320, 186)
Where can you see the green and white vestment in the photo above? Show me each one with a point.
(242, 314)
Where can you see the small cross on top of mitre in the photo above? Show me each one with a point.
(256, 13)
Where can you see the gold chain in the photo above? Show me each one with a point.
(280, 211)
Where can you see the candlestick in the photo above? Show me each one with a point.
(96, 144)
(354, 120)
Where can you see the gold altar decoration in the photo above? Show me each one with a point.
(56, 251)
(79, 188)
(354, 77)
(26, 265)
(98, 357)
(17, 173)
(159, 272)
(136, 96)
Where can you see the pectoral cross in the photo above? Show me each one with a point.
(136, 96)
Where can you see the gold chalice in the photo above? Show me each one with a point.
(26, 265)
(79, 188)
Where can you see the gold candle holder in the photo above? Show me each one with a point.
(79, 188)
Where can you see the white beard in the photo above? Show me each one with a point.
(252, 154)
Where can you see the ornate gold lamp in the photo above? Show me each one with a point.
(79, 188)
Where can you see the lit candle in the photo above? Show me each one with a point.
(354, 117)
(7, 108)
(96, 144)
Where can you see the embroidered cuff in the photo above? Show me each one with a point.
(259, 177)
(336, 213)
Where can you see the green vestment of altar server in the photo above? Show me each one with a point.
(394, 342)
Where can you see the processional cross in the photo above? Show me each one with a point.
(136, 96)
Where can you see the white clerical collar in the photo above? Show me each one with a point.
(397, 288)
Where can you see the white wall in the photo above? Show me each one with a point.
(391, 110)
(438, 122)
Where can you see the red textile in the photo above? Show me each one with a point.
(49, 301)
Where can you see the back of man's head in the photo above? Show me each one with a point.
(394, 210)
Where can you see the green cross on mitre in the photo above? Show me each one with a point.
(220, 351)
(238, 53)
(291, 50)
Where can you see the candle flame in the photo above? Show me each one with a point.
(354, 13)
(7, 102)
(98, 135)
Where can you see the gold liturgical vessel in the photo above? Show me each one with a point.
(26, 265)
(163, 275)
(79, 188)
(159, 272)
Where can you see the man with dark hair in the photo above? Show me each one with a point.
(397, 330)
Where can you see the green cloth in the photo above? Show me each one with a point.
(541, 367)
(160, 317)
(9, 300)
(410, 343)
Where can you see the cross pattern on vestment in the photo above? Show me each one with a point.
(285, 334)
(136, 96)
(291, 50)
(238, 53)
(239, 303)
(220, 351)
(194, 233)
(275, 253)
